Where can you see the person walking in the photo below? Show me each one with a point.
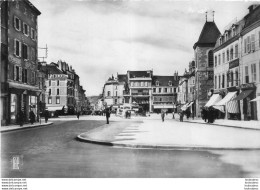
(162, 115)
(46, 115)
(173, 117)
(78, 113)
(32, 117)
(181, 116)
(107, 115)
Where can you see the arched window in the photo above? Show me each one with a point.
(210, 58)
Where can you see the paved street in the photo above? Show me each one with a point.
(53, 151)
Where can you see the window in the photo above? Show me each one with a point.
(223, 57)
(24, 75)
(49, 92)
(227, 79)
(165, 90)
(146, 83)
(223, 81)
(17, 23)
(227, 54)
(226, 36)
(248, 44)
(58, 91)
(49, 100)
(232, 78)
(49, 82)
(210, 75)
(116, 93)
(216, 61)
(57, 100)
(17, 48)
(33, 35)
(160, 90)
(219, 59)
(236, 51)
(25, 51)
(210, 58)
(171, 90)
(16, 73)
(246, 75)
(253, 72)
(233, 31)
(219, 81)
(231, 53)
(154, 90)
(174, 90)
(25, 29)
(220, 40)
(253, 42)
(58, 83)
(237, 77)
(157, 83)
(108, 93)
(215, 82)
(170, 83)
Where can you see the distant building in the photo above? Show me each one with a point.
(19, 43)
(164, 92)
(203, 52)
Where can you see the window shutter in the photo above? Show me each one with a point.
(20, 74)
(20, 49)
(248, 44)
(14, 22)
(14, 72)
(15, 46)
(253, 42)
(25, 75)
(245, 44)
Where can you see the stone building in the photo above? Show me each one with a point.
(203, 53)
(19, 42)
(164, 92)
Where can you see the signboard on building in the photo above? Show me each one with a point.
(234, 63)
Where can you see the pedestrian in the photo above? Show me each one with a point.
(107, 115)
(78, 113)
(162, 115)
(21, 118)
(32, 117)
(173, 117)
(46, 115)
(181, 116)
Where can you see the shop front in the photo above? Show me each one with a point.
(249, 108)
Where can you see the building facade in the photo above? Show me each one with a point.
(19, 42)
(203, 53)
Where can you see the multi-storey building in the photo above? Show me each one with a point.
(249, 68)
(226, 69)
(164, 93)
(140, 88)
(19, 43)
(203, 52)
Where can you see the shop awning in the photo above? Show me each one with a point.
(213, 100)
(54, 108)
(160, 106)
(243, 95)
(230, 96)
(256, 99)
(190, 104)
(185, 107)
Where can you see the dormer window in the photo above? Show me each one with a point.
(226, 36)
(220, 40)
(170, 83)
(157, 83)
(233, 31)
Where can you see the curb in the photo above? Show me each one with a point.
(222, 125)
(28, 127)
(149, 146)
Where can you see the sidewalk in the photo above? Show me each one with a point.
(25, 126)
(172, 134)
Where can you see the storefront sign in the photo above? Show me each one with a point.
(233, 64)
(247, 86)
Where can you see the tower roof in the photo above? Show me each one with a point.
(208, 35)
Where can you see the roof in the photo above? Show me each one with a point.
(208, 35)
(253, 16)
(164, 80)
(52, 69)
(121, 78)
(33, 7)
(141, 74)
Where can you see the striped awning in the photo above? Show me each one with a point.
(230, 96)
(213, 100)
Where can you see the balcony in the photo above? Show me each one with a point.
(140, 94)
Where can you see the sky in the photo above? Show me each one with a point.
(100, 38)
